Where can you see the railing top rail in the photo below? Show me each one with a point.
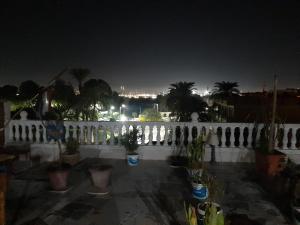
(153, 123)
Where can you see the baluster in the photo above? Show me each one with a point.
(23, 132)
(166, 137)
(75, 134)
(111, 140)
(232, 137)
(96, 134)
(93, 131)
(257, 137)
(173, 135)
(38, 133)
(285, 138)
(81, 134)
(17, 134)
(241, 137)
(11, 131)
(223, 137)
(150, 134)
(249, 138)
(30, 132)
(119, 133)
(198, 127)
(43, 128)
(67, 135)
(88, 134)
(181, 138)
(143, 127)
(293, 139)
(190, 136)
(158, 135)
(104, 136)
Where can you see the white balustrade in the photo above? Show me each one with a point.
(88, 132)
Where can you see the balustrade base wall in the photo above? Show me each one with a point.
(50, 152)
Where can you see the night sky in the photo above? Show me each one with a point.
(146, 45)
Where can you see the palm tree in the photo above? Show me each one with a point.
(182, 102)
(80, 74)
(224, 90)
(223, 94)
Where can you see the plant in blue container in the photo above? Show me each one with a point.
(199, 185)
(130, 142)
(195, 155)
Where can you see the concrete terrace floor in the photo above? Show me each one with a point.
(152, 193)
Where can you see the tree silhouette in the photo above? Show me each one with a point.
(63, 98)
(182, 102)
(9, 93)
(28, 89)
(80, 74)
(95, 95)
(224, 90)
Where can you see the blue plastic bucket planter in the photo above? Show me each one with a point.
(200, 191)
(133, 160)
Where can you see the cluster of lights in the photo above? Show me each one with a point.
(201, 92)
(143, 95)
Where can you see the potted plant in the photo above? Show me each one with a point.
(58, 175)
(210, 212)
(58, 171)
(195, 155)
(71, 154)
(100, 175)
(269, 161)
(129, 141)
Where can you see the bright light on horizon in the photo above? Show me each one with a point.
(123, 118)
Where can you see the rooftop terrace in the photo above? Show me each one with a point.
(152, 193)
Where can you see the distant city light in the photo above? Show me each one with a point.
(139, 95)
(112, 107)
(206, 92)
(194, 92)
(123, 118)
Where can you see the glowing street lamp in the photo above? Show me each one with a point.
(122, 106)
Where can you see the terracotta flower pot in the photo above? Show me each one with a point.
(58, 176)
(270, 164)
(100, 175)
(2, 207)
(3, 181)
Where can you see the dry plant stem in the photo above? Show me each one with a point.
(271, 139)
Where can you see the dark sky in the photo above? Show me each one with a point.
(146, 45)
